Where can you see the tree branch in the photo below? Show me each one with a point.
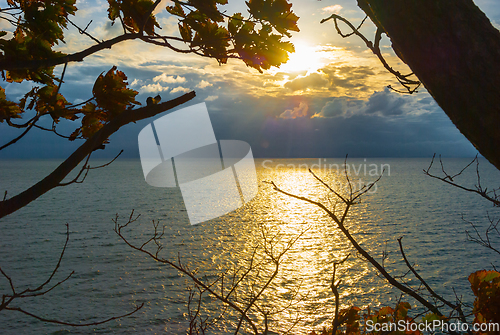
(13, 64)
(454, 307)
(340, 223)
(179, 267)
(483, 192)
(7, 299)
(53, 179)
(31, 124)
(374, 47)
(74, 324)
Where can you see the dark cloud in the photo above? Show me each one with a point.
(255, 121)
(334, 108)
(385, 103)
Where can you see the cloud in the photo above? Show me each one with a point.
(334, 108)
(212, 98)
(385, 103)
(136, 83)
(299, 111)
(203, 84)
(169, 79)
(335, 9)
(180, 89)
(314, 80)
(347, 76)
(153, 88)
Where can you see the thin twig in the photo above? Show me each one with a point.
(374, 47)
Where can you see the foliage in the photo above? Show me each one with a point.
(37, 26)
(200, 25)
(38, 29)
(384, 315)
(112, 98)
(8, 109)
(486, 287)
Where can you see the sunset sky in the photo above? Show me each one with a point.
(329, 100)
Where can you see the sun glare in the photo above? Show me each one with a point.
(305, 58)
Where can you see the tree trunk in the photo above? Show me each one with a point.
(454, 50)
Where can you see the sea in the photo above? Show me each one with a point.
(271, 231)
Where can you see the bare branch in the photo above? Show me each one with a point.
(454, 307)
(449, 179)
(241, 289)
(7, 299)
(183, 269)
(486, 240)
(374, 47)
(84, 31)
(86, 168)
(335, 289)
(74, 324)
(30, 125)
(341, 224)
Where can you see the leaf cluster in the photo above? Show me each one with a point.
(486, 287)
(385, 315)
(257, 40)
(27, 51)
(38, 29)
(112, 97)
(136, 15)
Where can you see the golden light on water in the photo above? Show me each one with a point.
(302, 286)
(308, 264)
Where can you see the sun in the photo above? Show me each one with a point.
(306, 58)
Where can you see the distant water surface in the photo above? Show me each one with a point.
(110, 278)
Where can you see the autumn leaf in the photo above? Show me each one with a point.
(8, 109)
(486, 287)
(111, 92)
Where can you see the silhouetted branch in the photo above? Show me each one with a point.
(449, 179)
(54, 130)
(75, 57)
(349, 201)
(335, 289)
(7, 299)
(179, 266)
(81, 103)
(454, 307)
(30, 125)
(85, 170)
(81, 55)
(374, 47)
(84, 31)
(53, 180)
(235, 289)
(486, 240)
(24, 125)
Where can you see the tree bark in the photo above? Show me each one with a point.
(454, 50)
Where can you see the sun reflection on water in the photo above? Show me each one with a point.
(308, 264)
